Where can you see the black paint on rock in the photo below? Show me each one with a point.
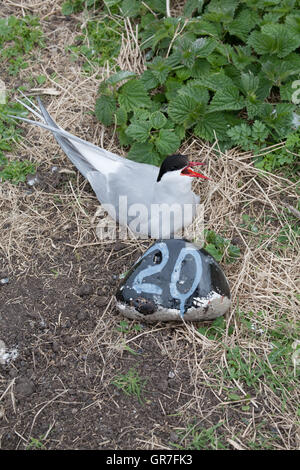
(174, 275)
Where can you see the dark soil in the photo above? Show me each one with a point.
(61, 382)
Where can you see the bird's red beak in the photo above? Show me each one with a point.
(188, 171)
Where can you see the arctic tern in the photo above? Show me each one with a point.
(126, 188)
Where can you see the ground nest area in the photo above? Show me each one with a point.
(74, 373)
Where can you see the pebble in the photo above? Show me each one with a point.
(55, 346)
(32, 179)
(24, 387)
(82, 315)
(85, 290)
(4, 280)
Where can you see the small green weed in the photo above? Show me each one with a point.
(100, 37)
(197, 438)
(130, 383)
(275, 369)
(76, 6)
(125, 328)
(18, 37)
(220, 248)
(36, 444)
(216, 330)
(11, 170)
(15, 171)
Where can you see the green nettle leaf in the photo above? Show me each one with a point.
(275, 39)
(185, 110)
(213, 251)
(293, 21)
(278, 71)
(160, 69)
(203, 47)
(139, 131)
(130, 7)
(191, 6)
(216, 81)
(167, 142)
(172, 85)
(196, 91)
(280, 119)
(286, 91)
(285, 37)
(241, 57)
(212, 125)
(119, 76)
(201, 67)
(149, 80)
(144, 153)
(202, 27)
(183, 74)
(228, 98)
(243, 23)
(158, 120)
(249, 83)
(105, 109)
(140, 115)
(133, 95)
(121, 116)
(221, 10)
(124, 139)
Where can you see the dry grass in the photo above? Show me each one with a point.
(264, 281)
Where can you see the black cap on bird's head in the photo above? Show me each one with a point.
(179, 162)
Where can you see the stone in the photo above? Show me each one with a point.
(174, 280)
(85, 290)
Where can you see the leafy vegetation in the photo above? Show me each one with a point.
(18, 37)
(99, 40)
(224, 69)
(220, 248)
(11, 170)
(200, 438)
(130, 383)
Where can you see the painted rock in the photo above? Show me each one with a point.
(174, 280)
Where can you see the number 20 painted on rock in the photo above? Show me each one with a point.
(151, 288)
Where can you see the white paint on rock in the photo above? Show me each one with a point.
(208, 308)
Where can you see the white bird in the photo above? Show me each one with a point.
(151, 201)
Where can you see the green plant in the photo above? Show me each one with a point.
(220, 248)
(16, 171)
(18, 37)
(76, 6)
(130, 383)
(124, 327)
(226, 73)
(197, 438)
(11, 170)
(277, 370)
(36, 444)
(216, 329)
(99, 40)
